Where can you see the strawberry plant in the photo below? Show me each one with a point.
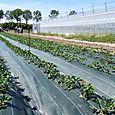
(105, 106)
(4, 84)
(87, 91)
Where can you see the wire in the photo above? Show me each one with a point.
(90, 9)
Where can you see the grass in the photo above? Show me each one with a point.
(107, 38)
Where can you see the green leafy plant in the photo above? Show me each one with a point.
(87, 91)
(4, 84)
(105, 105)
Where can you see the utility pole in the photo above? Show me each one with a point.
(93, 9)
(82, 12)
(105, 7)
(61, 15)
(29, 38)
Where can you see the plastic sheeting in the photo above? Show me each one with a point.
(18, 105)
(45, 94)
(103, 83)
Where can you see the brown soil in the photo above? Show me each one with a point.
(108, 46)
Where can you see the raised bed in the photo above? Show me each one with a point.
(60, 79)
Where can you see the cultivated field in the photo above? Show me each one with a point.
(60, 78)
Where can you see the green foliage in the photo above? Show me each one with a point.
(17, 13)
(12, 25)
(37, 15)
(4, 84)
(107, 38)
(9, 15)
(1, 14)
(104, 105)
(73, 12)
(27, 15)
(87, 90)
(53, 14)
(71, 53)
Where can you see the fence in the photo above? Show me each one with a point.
(100, 8)
(91, 21)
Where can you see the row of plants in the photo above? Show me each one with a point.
(105, 64)
(73, 53)
(103, 105)
(101, 67)
(47, 46)
(65, 47)
(4, 84)
(9, 83)
(109, 38)
(12, 25)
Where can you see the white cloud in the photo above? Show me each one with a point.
(7, 7)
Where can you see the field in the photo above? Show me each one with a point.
(62, 79)
(76, 42)
(106, 38)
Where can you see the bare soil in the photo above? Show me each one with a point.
(108, 46)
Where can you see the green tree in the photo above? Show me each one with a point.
(11, 16)
(37, 15)
(27, 15)
(72, 12)
(1, 14)
(16, 14)
(53, 14)
(8, 15)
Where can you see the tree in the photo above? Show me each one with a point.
(72, 12)
(9, 15)
(17, 13)
(1, 14)
(54, 14)
(37, 16)
(27, 15)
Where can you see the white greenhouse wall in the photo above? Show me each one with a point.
(95, 23)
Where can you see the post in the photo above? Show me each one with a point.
(105, 7)
(29, 38)
(67, 14)
(82, 12)
(93, 10)
(61, 15)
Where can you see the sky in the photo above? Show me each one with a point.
(45, 6)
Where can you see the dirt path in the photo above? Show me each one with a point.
(108, 46)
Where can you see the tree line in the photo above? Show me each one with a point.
(19, 15)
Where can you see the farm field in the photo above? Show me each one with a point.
(12, 100)
(71, 41)
(57, 57)
(106, 38)
(65, 79)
